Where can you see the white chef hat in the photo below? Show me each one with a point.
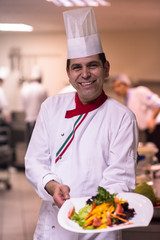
(82, 35)
(36, 72)
(122, 78)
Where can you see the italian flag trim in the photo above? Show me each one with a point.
(70, 137)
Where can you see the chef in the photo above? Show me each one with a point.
(82, 139)
(144, 103)
(32, 96)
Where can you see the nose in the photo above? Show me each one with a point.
(85, 73)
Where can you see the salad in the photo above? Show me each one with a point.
(101, 211)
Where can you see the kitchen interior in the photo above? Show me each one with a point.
(129, 31)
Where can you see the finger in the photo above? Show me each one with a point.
(59, 199)
(65, 192)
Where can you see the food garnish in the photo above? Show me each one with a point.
(102, 210)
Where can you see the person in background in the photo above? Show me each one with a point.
(144, 103)
(5, 115)
(69, 88)
(32, 96)
(82, 139)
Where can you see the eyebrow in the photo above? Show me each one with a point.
(87, 64)
(76, 64)
(94, 62)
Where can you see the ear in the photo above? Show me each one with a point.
(68, 74)
(107, 68)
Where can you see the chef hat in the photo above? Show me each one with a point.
(36, 72)
(4, 71)
(82, 35)
(122, 78)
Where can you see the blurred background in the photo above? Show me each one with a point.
(130, 36)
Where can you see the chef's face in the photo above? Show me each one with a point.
(120, 88)
(87, 76)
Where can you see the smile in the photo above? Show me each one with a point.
(87, 83)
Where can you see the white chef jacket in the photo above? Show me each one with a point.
(102, 153)
(32, 96)
(142, 101)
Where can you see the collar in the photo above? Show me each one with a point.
(85, 108)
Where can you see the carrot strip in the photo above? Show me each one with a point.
(124, 220)
(123, 214)
(90, 213)
(110, 208)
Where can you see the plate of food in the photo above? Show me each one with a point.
(105, 212)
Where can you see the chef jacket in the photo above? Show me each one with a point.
(142, 101)
(32, 96)
(96, 149)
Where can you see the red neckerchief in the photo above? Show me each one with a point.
(85, 108)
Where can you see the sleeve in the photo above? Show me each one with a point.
(120, 174)
(38, 158)
(149, 98)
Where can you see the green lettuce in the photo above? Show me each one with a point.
(81, 215)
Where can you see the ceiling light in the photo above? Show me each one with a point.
(104, 3)
(15, 27)
(78, 3)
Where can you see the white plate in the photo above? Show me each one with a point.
(142, 205)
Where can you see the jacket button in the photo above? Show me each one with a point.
(62, 134)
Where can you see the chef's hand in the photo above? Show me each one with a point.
(59, 192)
(151, 125)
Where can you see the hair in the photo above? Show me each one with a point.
(101, 56)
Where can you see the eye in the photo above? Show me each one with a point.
(76, 67)
(93, 65)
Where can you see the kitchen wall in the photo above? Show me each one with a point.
(134, 53)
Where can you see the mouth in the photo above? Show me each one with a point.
(86, 83)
